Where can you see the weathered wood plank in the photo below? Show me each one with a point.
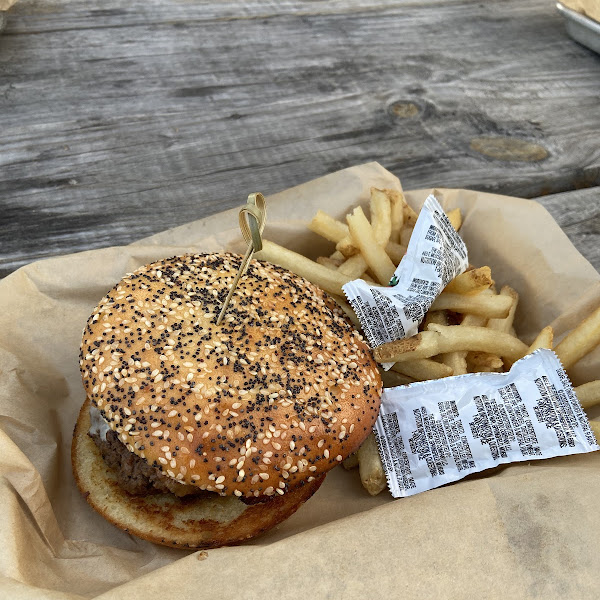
(578, 214)
(119, 119)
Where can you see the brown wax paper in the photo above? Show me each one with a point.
(530, 530)
(589, 8)
(6, 4)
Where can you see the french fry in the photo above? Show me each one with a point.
(455, 218)
(354, 266)
(579, 342)
(329, 262)
(363, 236)
(588, 394)
(478, 321)
(440, 339)
(370, 467)
(381, 216)
(473, 321)
(457, 361)
(405, 236)
(423, 369)
(436, 317)
(328, 227)
(351, 462)
(410, 216)
(397, 213)
(347, 247)
(482, 305)
(544, 339)
(484, 341)
(330, 281)
(392, 379)
(471, 282)
(395, 251)
(480, 362)
(484, 369)
(506, 324)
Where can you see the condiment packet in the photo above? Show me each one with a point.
(435, 255)
(435, 432)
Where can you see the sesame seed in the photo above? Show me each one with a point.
(281, 382)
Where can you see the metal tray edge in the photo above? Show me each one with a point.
(582, 29)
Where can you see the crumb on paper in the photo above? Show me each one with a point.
(202, 555)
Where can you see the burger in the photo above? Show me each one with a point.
(200, 435)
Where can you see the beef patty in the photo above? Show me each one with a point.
(135, 475)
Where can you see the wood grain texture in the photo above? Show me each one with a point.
(119, 120)
(578, 214)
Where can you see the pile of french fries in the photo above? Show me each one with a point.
(468, 329)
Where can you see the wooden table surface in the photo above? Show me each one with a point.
(121, 119)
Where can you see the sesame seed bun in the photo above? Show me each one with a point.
(196, 522)
(279, 393)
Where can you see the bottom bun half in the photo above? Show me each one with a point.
(193, 522)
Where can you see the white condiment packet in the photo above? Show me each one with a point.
(435, 432)
(435, 255)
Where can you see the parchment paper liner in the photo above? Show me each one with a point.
(589, 8)
(6, 4)
(526, 531)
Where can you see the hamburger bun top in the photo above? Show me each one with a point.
(279, 393)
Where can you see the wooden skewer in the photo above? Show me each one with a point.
(252, 222)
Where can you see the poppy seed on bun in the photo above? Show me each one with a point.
(275, 396)
(206, 521)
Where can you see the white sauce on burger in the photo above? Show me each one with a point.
(98, 424)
